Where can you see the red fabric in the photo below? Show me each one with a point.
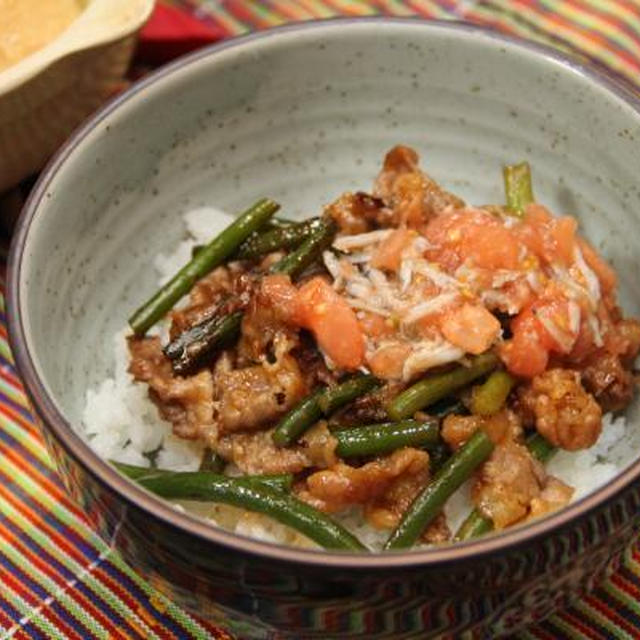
(171, 32)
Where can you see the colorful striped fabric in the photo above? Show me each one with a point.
(606, 32)
(58, 580)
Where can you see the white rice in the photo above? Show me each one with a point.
(121, 423)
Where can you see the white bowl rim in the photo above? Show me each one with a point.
(93, 464)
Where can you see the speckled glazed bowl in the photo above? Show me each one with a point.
(301, 114)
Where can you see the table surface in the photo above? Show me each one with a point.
(57, 578)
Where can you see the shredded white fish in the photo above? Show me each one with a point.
(356, 303)
(378, 278)
(405, 274)
(533, 278)
(522, 253)
(359, 240)
(504, 276)
(359, 258)
(595, 327)
(573, 289)
(429, 355)
(382, 290)
(574, 317)
(593, 284)
(332, 263)
(435, 274)
(493, 299)
(429, 306)
(359, 288)
(421, 244)
(563, 338)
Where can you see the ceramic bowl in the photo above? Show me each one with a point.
(302, 114)
(50, 92)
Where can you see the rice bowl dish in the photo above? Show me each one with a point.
(374, 263)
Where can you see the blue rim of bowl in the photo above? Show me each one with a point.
(157, 508)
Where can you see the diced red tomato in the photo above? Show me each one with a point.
(555, 312)
(375, 326)
(387, 362)
(606, 275)
(470, 327)
(473, 234)
(525, 355)
(428, 327)
(333, 323)
(537, 215)
(563, 232)
(548, 238)
(531, 232)
(389, 254)
(492, 248)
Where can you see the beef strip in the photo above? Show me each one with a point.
(251, 397)
(562, 411)
(186, 402)
(511, 484)
(503, 426)
(507, 483)
(256, 453)
(412, 195)
(358, 213)
(607, 373)
(555, 494)
(385, 487)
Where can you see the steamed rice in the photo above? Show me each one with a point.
(121, 423)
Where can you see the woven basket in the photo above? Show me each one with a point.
(47, 94)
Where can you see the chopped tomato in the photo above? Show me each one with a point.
(333, 323)
(388, 361)
(492, 248)
(525, 355)
(537, 214)
(532, 238)
(543, 327)
(389, 253)
(554, 324)
(428, 327)
(375, 326)
(531, 232)
(473, 234)
(548, 238)
(563, 232)
(606, 275)
(518, 294)
(470, 327)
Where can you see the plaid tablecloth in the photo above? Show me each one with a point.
(57, 579)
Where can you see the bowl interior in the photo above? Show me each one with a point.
(302, 115)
